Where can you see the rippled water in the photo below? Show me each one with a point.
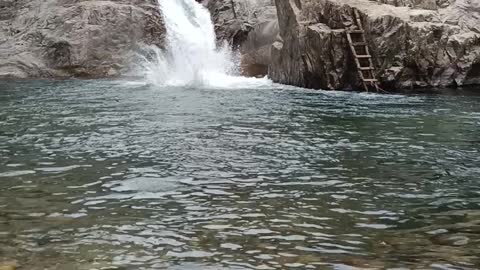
(108, 173)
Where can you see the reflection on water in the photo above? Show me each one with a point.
(104, 174)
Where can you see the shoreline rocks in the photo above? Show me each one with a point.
(414, 43)
(412, 47)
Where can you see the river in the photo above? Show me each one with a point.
(98, 174)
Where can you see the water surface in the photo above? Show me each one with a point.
(111, 173)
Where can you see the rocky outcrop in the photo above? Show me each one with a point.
(415, 43)
(251, 26)
(61, 38)
(234, 19)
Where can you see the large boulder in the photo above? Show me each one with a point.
(415, 43)
(61, 38)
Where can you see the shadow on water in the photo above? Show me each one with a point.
(462, 91)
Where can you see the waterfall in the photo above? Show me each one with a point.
(191, 56)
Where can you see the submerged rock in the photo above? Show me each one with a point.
(421, 43)
(57, 38)
(8, 266)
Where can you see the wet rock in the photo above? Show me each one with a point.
(419, 43)
(256, 50)
(466, 221)
(250, 26)
(59, 54)
(451, 240)
(55, 38)
(235, 19)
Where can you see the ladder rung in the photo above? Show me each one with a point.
(370, 80)
(359, 43)
(366, 68)
(364, 56)
(355, 31)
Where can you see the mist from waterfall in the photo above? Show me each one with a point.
(191, 56)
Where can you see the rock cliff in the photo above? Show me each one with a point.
(415, 43)
(251, 26)
(61, 38)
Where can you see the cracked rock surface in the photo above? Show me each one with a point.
(64, 38)
(415, 43)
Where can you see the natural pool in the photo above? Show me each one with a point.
(95, 174)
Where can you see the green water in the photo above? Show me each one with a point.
(115, 174)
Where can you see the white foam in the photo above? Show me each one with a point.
(16, 173)
(191, 57)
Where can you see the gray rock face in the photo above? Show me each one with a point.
(61, 38)
(250, 26)
(415, 43)
(234, 19)
(256, 50)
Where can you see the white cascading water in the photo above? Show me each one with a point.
(192, 57)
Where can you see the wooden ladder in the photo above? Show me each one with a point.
(361, 54)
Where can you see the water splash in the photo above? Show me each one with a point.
(191, 57)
